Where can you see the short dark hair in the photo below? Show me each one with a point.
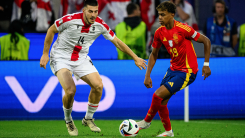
(131, 7)
(220, 1)
(90, 3)
(167, 6)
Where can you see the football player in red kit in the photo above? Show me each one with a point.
(177, 38)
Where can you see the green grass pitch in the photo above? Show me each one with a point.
(57, 129)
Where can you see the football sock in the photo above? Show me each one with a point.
(67, 113)
(155, 105)
(91, 110)
(164, 116)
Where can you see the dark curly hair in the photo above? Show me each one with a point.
(167, 6)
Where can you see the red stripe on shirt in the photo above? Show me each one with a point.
(111, 33)
(85, 29)
(99, 20)
(68, 18)
(75, 53)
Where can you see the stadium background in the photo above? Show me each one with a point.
(219, 97)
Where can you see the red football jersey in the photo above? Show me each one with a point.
(178, 43)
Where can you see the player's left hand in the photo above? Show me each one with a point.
(206, 71)
(141, 63)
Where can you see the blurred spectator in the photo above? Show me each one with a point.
(5, 14)
(221, 30)
(37, 15)
(241, 36)
(28, 20)
(133, 32)
(185, 13)
(14, 46)
(111, 11)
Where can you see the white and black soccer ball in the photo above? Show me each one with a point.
(129, 128)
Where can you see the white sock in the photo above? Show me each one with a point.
(91, 110)
(67, 113)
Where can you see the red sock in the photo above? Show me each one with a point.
(164, 116)
(155, 105)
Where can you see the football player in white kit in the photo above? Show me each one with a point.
(69, 56)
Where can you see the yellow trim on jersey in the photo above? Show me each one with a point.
(193, 49)
(185, 27)
(187, 79)
(188, 66)
(165, 75)
(159, 28)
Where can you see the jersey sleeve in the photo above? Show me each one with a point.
(62, 23)
(107, 32)
(156, 42)
(190, 33)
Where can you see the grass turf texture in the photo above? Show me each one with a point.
(57, 129)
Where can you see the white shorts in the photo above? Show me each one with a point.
(79, 70)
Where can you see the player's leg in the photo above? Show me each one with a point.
(95, 82)
(145, 123)
(176, 83)
(67, 83)
(160, 94)
(89, 74)
(62, 71)
(164, 116)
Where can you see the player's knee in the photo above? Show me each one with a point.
(71, 91)
(98, 87)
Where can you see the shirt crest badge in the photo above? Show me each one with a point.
(175, 38)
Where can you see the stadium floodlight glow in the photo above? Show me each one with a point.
(106, 103)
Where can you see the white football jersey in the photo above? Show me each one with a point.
(75, 36)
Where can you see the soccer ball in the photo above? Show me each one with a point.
(129, 128)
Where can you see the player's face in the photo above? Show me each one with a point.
(90, 13)
(219, 9)
(165, 17)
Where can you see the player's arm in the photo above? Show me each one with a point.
(151, 63)
(139, 62)
(207, 45)
(47, 43)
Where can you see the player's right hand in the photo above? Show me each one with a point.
(148, 82)
(141, 63)
(44, 60)
(206, 71)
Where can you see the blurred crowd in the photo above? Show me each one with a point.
(134, 22)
